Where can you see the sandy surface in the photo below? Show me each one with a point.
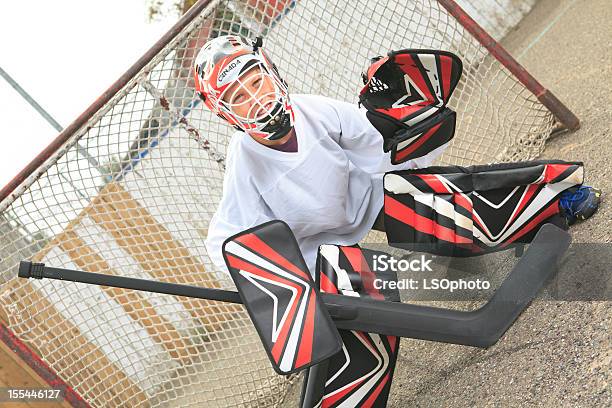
(558, 353)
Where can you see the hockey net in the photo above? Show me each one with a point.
(134, 185)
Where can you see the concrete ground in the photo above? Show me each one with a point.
(558, 353)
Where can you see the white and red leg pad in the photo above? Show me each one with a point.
(466, 211)
(361, 374)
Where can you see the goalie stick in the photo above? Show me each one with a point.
(478, 328)
(356, 316)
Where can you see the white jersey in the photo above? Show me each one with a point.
(329, 192)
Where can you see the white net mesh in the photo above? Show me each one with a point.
(131, 193)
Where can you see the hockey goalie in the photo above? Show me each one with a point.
(332, 171)
(318, 164)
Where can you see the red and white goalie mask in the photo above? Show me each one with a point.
(239, 83)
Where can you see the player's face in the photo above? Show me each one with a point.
(252, 96)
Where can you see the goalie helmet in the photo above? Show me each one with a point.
(238, 82)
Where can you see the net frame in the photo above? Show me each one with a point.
(62, 183)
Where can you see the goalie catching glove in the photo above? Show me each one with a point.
(406, 94)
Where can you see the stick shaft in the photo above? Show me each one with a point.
(35, 270)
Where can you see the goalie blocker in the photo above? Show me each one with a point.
(278, 292)
(466, 211)
(406, 94)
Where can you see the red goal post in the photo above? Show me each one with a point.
(142, 208)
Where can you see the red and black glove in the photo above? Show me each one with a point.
(406, 94)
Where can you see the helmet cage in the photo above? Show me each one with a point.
(267, 111)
